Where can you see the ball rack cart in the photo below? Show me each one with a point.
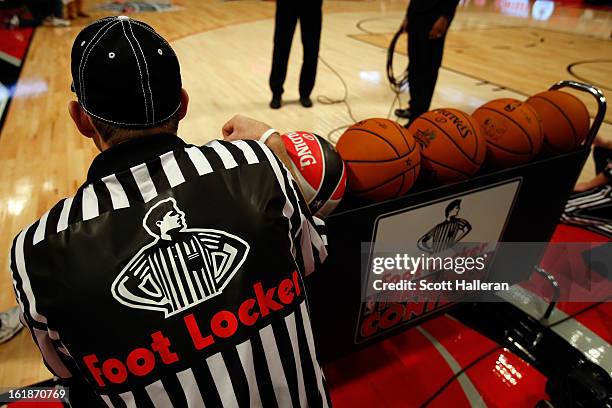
(542, 190)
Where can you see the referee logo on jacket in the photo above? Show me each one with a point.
(182, 267)
(446, 234)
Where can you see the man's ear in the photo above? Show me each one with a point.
(81, 119)
(184, 104)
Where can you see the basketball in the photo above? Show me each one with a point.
(381, 157)
(452, 145)
(512, 129)
(565, 120)
(319, 170)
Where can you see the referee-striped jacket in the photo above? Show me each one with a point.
(444, 235)
(174, 278)
(591, 209)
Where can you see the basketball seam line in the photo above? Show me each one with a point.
(448, 167)
(474, 132)
(380, 161)
(337, 184)
(516, 123)
(332, 191)
(323, 170)
(399, 190)
(562, 113)
(408, 169)
(377, 186)
(507, 150)
(403, 136)
(451, 139)
(551, 147)
(380, 137)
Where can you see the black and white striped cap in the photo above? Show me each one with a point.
(126, 74)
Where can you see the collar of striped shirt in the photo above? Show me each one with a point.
(131, 153)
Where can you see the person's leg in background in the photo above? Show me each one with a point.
(71, 10)
(47, 12)
(79, 9)
(284, 28)
(58, 8)
(426, 37)
(9, 324)
(39, 9)
(602, 155)
(21, 19)
(419, 66)
(75, 9)
(311, 17)
(435, 50)
(56, 17)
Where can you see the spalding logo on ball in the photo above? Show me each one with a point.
(319, 170)
(452, 145)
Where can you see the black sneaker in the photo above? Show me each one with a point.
(306, 102)
(403, 113)
(276, 102)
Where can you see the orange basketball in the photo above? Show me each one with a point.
(565, 120)
(452, 145)
(512, 129)
(382, 159)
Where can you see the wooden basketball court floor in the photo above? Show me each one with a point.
(225, 51)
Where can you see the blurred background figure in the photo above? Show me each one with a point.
(75, 9)
(287, 15)
(32, 13)
(426, 23)
(590, 206)
(602, 154)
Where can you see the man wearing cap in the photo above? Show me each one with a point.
(174, 275)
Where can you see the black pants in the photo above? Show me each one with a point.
(425, 58)
(41, 9)
(603, 161)
(288, 12)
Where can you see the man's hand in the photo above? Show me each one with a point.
(439, 28)
(602, 141)
(243, 128)
(404, 26)
(597, 181)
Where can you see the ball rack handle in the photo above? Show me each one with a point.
(601, 105)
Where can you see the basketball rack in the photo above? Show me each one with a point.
(538, 192)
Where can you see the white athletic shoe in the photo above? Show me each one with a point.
(56, 22)
(14, 22)
(10, 324)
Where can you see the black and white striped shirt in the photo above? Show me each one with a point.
(174, 278)
(591, 209)
(444, 235)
